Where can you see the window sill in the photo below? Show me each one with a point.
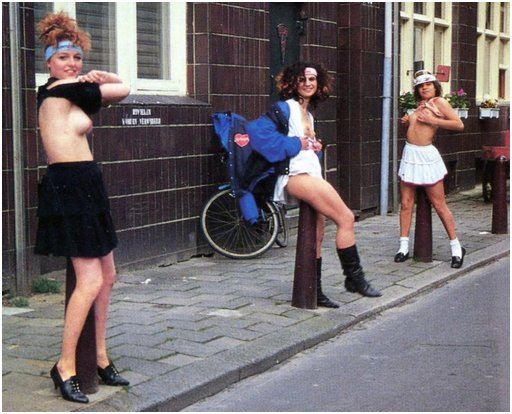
(162, 100)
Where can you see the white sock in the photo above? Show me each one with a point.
(456, 248)
(404, 245)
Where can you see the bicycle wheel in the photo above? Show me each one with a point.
(282, 233)
(230, 235)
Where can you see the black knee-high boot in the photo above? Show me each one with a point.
(321, 299)
(355, 281)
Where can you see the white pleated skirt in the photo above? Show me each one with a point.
(421, 165)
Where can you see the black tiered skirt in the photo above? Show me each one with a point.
(74, 217)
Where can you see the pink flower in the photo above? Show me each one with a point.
(461, 92)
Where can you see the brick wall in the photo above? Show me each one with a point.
(159, 155)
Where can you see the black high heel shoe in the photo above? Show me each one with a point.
(110, 375)
(70, 389)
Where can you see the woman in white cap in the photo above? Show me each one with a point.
(286, 135)
(422, 165)
(74, 218)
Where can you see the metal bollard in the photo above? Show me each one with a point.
(499, 197)
(86, 365)
(423, 229)
(304, 282)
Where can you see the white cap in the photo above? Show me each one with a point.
(424, 77)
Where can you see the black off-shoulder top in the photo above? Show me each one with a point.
(85, 95)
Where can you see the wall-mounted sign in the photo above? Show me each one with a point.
(140, 116)
(443, 73)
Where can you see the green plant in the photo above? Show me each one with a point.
(489, 102)
(407, 101)
(19, 302)
(44, 285)
(458, 99)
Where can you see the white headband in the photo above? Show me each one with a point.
(310, 71)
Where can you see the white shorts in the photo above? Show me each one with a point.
(421, 165)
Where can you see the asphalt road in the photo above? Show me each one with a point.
(445, 351)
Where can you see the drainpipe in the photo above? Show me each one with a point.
(396, 27)
(18, 159)
(386, 104)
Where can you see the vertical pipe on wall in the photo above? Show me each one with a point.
(396, 80)
(386, 104)
(21, 276)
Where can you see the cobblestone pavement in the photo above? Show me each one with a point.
(185, 331)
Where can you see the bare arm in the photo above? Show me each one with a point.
(112, 87)
(451, 120)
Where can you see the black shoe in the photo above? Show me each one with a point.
(322, 300)
(110, 375)
(70, 389)
(401, 257)
(362, 287)
(457, 261)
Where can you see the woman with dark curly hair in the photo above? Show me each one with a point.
(73, 213)
(292, 139)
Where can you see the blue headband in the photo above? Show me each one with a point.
(64, 45)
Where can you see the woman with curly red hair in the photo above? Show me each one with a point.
(286, 134)
(74, 218)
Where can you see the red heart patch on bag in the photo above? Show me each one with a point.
(241, 140)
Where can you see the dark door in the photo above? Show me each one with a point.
(286, 27)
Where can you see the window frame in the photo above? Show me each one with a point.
(492, 42)
(125, 21)
(430, 24)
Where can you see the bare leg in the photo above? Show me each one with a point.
(407, 193)
(101, 308)
(322, 196)
(88, 284)
(436, 196)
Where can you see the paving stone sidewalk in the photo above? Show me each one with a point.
(185, 331)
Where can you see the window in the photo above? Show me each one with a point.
(99, 20)
(493, 53)
(152, 53)
(502, 94)
(418, 44)
(488, 16)
(145, 43)
(428, 25)
(439, 10)
(503, 18)
(439, 47)
(419, 7)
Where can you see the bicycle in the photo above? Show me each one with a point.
(229, 234)
(223, 218)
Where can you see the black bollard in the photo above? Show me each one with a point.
(86, 365)
(423, 230)
(304, 282)
(499, 197)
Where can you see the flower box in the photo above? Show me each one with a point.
(489, 113)
(461, 112)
